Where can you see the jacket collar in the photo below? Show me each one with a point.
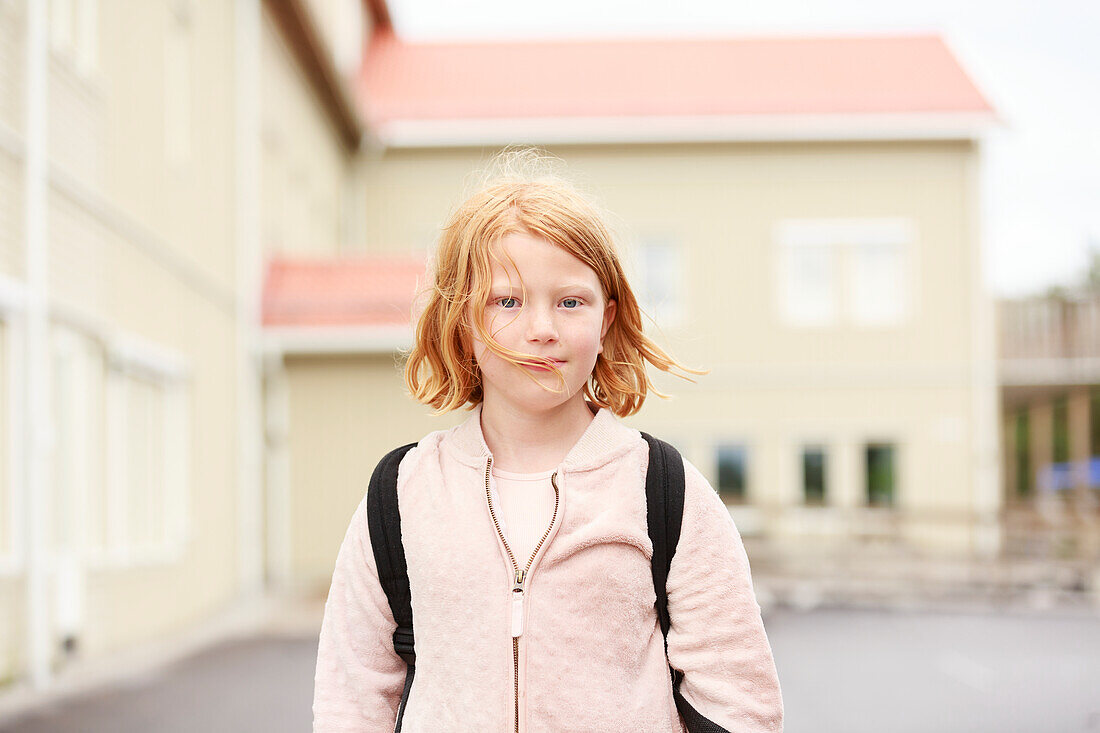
(604, 439)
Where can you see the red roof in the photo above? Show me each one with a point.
(360, 291)
(403, 81)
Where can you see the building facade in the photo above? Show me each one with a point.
(151, 155)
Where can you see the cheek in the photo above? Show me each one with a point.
(484, 357)
(498, 323)
(476, 345)
(481, 351)
(588, 333)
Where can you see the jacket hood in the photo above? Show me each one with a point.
(603, 440)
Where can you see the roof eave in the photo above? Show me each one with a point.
(331, 340)
(296, 24)
(411, 133)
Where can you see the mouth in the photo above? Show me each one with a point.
(540, 368)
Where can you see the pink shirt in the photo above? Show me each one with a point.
(524, 503)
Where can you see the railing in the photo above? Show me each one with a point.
(1050, 328)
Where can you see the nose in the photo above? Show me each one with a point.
(540, 324)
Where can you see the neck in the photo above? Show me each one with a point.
(532, 442)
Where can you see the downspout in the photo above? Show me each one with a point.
(986, 403)
(36, 422)
(279, 561)
(247, 80)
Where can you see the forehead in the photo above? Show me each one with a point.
(536, 260)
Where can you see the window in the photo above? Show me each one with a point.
(880, 478)
(1023, 454)
(855, 271)
(76, 366)
(74, 33)
(877, 283)
(8, 524)
(87, 36)
(177, 83)
(808, 286)
(148, 445)
(61, 26)
(813, 474)
(1094, 422)
(1094, 439)
(660, 274)
(732, 472)
(1061, 430)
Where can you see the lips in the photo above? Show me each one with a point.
(539, 367)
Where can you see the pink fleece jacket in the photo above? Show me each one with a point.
(591, 656)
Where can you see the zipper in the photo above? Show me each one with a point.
(520, 577)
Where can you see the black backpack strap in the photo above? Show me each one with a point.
(664, 489)
(384, 522)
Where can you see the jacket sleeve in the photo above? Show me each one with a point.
(716, 637)
(359, 677)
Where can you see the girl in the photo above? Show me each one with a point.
(541, 489)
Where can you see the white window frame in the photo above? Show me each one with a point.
(179, 70)
(74, 35)
(127, 359)
(86, 37)
(795, 308)
(62, 13)
(670, 312)
(843, 240)
(860, 292)
(11, 555)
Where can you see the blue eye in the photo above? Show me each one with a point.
(575, 300)
(504, 299)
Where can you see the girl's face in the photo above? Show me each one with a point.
(563, 317)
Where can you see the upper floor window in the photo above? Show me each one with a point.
(74, 33)
(836, 271)
(808, 283)
(659, 282)
(177, 82)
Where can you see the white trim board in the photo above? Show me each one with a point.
(684, 129)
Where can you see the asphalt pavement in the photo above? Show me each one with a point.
(842, 671)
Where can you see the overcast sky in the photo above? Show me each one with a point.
(1037, 62)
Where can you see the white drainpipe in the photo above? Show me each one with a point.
(277, 474)
(36, 422)
(985, 404)
(249, 262)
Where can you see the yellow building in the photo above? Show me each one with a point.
(809, 232)
(151, 155)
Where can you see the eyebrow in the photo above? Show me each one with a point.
(575, 288)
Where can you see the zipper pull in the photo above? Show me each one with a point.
(517, 604)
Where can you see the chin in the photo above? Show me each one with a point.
(539, 400)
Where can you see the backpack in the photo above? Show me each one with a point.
(664, 488)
